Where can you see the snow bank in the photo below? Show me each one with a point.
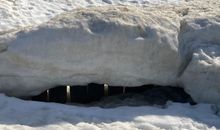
(200, 45)
(29, 115)
(23, 13)
(118, 45)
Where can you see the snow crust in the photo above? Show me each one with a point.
(147, 42)
(23, 13)
(92, 45)
(200, 44)
(29, 115)
(118, 45)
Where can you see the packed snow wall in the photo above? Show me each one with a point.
(127, 46)
(118, 45)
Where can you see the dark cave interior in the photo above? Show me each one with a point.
(152, 94)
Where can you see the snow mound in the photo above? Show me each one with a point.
(118, 45)
(200, 47)
(123, 46)
(22, 13)
(29, 115)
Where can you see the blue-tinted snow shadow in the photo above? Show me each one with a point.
(36, 114)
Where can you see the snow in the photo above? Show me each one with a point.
(29, 115)
(189, 51)
(201, 44)
(22, 13)
(92, 46)
(118, 45)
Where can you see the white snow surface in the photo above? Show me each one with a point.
(30, 115)
(175, 45)
(22, 13)
(92, 45)
(200, 65)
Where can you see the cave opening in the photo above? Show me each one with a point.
(107, 96)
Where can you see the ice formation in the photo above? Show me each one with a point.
(118, 45)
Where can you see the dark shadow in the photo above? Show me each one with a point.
(43, 97)
(105, 109)
(151, 94)
(58, 94)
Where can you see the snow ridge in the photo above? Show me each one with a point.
(109, 43)
(29, 115)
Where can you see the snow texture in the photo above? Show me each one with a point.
(200, 44)
(118, 45)
(162, 44)
(92, 45)
(29, 115)
(23, 13)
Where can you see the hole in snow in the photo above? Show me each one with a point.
(104, 95)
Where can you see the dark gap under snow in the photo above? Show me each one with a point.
(112, 96)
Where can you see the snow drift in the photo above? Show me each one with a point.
(30, 115)
(125, 46)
